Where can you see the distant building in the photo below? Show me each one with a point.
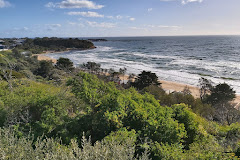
(1, 41)
(19, 41)
(2, 46)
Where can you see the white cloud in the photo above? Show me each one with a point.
(183, 1)
(119, 17)
(4, 4)
(54, 25)
(50, 5)
(115, 17)
(189, 1)
(25, 28)
(72, 23)
(167, 0)
(163, 27)
(137, 28)
(75, 24)
(51, 27)
(150, 9)
(86, 14)
(132, 19)
(21, 29)
(101, 25)
(74, 4)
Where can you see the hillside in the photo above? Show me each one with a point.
(41, 103)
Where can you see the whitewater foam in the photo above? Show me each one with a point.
(181, 61)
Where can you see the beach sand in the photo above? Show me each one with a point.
(168, 86)
(42, 57)
(174, 86)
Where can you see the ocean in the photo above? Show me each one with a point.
(182, 59)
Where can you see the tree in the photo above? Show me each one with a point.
(186, 91)
(123, 72)
(65, 64)
(92, 66)
(205, 87)
(226, 113)
(156, 91)
(145, 79)
(222, 93)
(44, 68)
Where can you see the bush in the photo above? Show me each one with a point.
(145, 79)
(65, 64)
(13, 147)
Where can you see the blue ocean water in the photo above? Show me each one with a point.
(180, 59)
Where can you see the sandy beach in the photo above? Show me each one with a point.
(42, 57)
(168, 86)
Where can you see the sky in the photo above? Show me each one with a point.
(113, 18)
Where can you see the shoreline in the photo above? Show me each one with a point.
(42, 56)
(168, 86)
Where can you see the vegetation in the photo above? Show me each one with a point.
(52, 113)
(65, 64)
(145, 79)
(38, 45)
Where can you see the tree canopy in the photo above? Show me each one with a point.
(221, 93)
(145, 79)
(85, 116)
(65, 64)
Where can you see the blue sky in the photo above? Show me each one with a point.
(104, 18)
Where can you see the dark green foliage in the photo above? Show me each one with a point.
(65, 64)
(237, 152)
(221, 93)
(185, 116)
(167, 151)
(92, 66)
(157, 91)
(14, 74)
(17, 53)
(3, 114)
(205, 87)
(60, 42)
(122, 123)
(38, 45)
(44, 69)
(117, 116)
(145, 79)
(113, 110)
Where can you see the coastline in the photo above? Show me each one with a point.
(42, 56)
(168, 86)
(178, 87)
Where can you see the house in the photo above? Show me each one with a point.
(1, 41)
(19, 41)
(2, 46)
